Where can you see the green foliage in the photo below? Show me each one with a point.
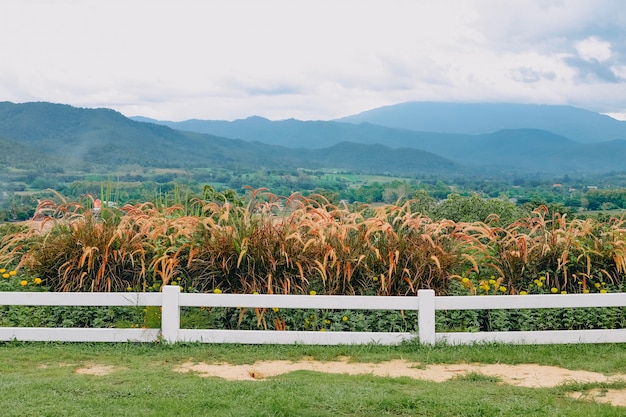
(476, 209)
(58, 316)
(605, 199)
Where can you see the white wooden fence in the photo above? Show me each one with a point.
(426, 303)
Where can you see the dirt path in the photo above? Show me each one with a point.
(524, 375)
(534, 376)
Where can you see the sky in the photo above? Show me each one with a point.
(310, 59)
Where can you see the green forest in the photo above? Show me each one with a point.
(601, 195)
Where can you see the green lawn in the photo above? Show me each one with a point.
(40, 379)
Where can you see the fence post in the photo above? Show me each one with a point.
(426, 316)
(170, 314)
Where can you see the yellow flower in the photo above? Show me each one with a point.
(129, 288)
(523, 293)
(586, 291)
(312, 292)
(275, 309)
(465, 280)
(536, 281)
(6, 275)
(603, 291)
(597, 285)
(217, 291)
(37, 281)
(542, 278)
(554, 290)
(502, 288)
(563, 292)
(326, 321)
(322, 329)
(255, 292)
(374, 278)
(23, 283)
(540, 284)
(2, 271)
(12, 273)
(492, 281)
(344, 318)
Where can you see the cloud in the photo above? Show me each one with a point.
(592, 71)
(529, 75)
(593, 49)
(310, 59)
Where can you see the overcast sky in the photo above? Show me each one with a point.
(310, 60)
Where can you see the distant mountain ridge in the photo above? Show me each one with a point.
(523, 149)
(571, 122)
(478, 118)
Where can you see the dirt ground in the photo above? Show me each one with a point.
(98, 370)
(525, 375)
(531, 376)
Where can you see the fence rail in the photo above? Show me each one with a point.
(426, 303)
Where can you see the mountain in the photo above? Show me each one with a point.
(100, 139)
(44, 135)
(478, 118)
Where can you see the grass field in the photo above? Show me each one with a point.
(44, 379)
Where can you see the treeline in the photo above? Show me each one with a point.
(18, 199)
(605, 199)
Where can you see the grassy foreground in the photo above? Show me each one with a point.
(39, 379)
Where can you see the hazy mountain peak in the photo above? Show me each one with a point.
(477, 118)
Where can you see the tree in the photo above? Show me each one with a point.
(475, 208)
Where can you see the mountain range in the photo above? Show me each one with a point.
(574, 123)
(61, 136)
(524, 138)
(408, 139)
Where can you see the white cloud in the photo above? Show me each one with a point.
(593, 48)
(227, 59)
(618, 115)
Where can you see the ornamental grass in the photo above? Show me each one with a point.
(302, 245)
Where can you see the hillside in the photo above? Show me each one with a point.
(100, 137)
